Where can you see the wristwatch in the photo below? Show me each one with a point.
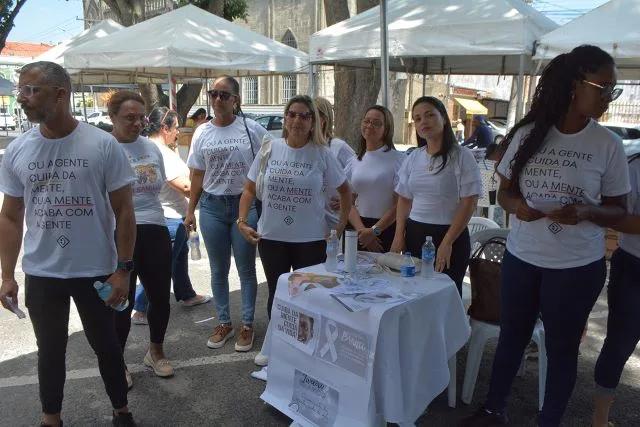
(241, 220)
(376, 230)
(126, 266)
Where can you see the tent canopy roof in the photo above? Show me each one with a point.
(189, 41)
(437, 37)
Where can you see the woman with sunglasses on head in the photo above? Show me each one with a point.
(562, 177)
(340, 150)
(162, 129)
(221, 154)
(152, 252)
(373, 175)
(438, 191)
(289, 234)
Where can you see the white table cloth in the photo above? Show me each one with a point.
(412, 344)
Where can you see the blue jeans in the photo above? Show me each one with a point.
(182, 287)
(623, 325)
(220, 233)
(565, 298)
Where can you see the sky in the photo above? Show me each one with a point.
(52, 21)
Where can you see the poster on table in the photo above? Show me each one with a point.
(345, 347)
(314, 399)
(298, 327)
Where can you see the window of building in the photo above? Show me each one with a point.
(250, 90)
(289, 39)
(289, 87)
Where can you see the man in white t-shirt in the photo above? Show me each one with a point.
(66, 180)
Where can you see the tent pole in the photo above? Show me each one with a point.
(312, 81)
(172, 92)
(520, 98)
(384, 54)
(84, 101)
(424, 84)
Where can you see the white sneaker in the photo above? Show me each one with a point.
(260, 375)
(261, 359)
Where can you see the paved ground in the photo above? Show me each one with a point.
(213, 387)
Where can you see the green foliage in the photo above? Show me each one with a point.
(8, 11)
(233, 9)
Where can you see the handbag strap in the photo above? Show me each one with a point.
(493, 240)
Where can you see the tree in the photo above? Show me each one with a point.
(8, 12)
(355, 88)
(130, 12)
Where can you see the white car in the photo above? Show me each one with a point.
(7, 121)
(629, 133)
(99, 117)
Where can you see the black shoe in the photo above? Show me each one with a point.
(123, 419)
(49, 425)
(485, 418)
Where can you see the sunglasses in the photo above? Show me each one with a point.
(606, 92)
(377, 124)
(30, 90)
(223, 95)
(307, 115)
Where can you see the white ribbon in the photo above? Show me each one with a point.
(332, 336)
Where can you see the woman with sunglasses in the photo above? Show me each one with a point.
(162, 130)
(438, 189)
(152, 252)
(222, 152)
(340, 150)
(373, 174)
(562, 177)
(289, 234)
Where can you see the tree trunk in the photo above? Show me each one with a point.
(356, 89)
(187, 96)
(127, 12)
(216, 7)
(399, 83)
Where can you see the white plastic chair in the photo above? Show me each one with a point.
(478, 223)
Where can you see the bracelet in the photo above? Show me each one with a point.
(241, 220)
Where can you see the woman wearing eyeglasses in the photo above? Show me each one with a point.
(152, 252)
(562, 176)
(290, 234)
(222, 152)
(373, 174)
(162, 130)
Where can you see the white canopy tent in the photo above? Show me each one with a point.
(438, 37)
(614, 27)
(185, 43)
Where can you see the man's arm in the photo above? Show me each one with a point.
(11, 220)
(122, 205)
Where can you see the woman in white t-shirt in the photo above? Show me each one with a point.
(373, 175)
(290, 232)
(221, 154)
(438, 191)
(152, 252)
(340, 150)
(162, 129)
(561, 176)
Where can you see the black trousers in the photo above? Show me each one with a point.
(48, 300)
(415, 234)
(386, 237)
(280, 257)
(152, 259)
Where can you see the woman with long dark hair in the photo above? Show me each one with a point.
(373, 175)
(561, 176)
(437, 191)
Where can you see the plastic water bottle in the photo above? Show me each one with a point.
(333, 247)
(104, 291)
(194, 245)
(408, 272)
(428, 257)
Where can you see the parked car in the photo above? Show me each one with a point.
(98, 118)
(630, 135)
(7, 121)
(273, 123)
(79, 116)
(498, 129)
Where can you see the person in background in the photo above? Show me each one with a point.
(162, 129)
(459, 131)
(438, 192)
(197, 118)
(562, 176)
(289, 235)
(64, 255)
(222, 152)
(481, 137)
(373, 175)
(340, 150)
(152, 253)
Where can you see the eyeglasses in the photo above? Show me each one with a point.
(606, 92)
(223, 95)
(30, 90)
(307, 115)
(377, 124)
(132, 118)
